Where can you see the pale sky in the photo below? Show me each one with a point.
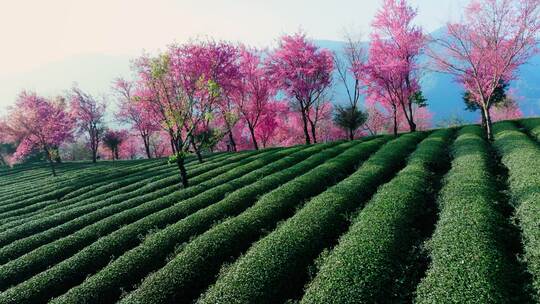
(35, 33)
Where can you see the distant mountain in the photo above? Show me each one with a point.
(445, 95)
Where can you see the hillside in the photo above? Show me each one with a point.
(433, 217)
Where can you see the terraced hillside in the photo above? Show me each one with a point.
(429, 217)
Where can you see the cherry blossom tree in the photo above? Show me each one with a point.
(36, 123)
(162, 96)
(130, 148)
(488, 46)
(391, 72)
(132, 112)
(303, 72)
(253, 91)
(89, 116)
(205, 71)
(377, 122)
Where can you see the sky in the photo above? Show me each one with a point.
(36, 35)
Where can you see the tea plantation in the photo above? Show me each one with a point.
(443, 216)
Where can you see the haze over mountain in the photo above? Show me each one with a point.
(95, 73)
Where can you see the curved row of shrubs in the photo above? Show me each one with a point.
(364, 265)
(105, 286)
(34, 232)
(100, 191)
(122, 239)
(65, 180)
(113, 201)
(468, 260)
(522, 158)
(533, 127)
(35, 261)
(274, 268)
(196, 264)
(151, 254)
(57, 190)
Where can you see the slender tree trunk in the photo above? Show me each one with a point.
(231, 141)
(306, 133)
(395, 120)
(94, 155)
(116, 154)
(182, 168)
(252, 131)
(52, 167)
(146, 141)
(173, 147)
(51, 162)
(489, 125)
(351, 134)
(483, 115)
(412, 124)
(197, 151)
(313, 131)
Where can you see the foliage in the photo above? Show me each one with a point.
(487, 48)
(349, 118)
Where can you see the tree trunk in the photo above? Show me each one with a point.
(94, 155)
(252, 131)
(231, 141)
(116, 154)
(173, 147)
(313, 131)
(351, 134)
(146, 142)
(489, 125)
(182, 168)
(306, 133)
(197, 151)
(412, 124)
(407, 111)
(395, 120)
(51, 162)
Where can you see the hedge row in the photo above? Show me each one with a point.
(522, 158)
(34, 233)
(99, 189)
(274, 268)
(34, 261)
(56, 190)
(165, 184)
(363, 266)
(121, 240)
(106, 285)
(468, 260)
(533, 127)
(198, 262)
(66, 178)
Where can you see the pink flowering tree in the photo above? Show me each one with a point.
(112, 139)
(132, 111)
(205, 71)
(303, 72)
(89, 117)
(253, 91)
(162, 96)
(130, 148)
(377, 122)
(486, 49)
(36, 123)
(391, 72)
